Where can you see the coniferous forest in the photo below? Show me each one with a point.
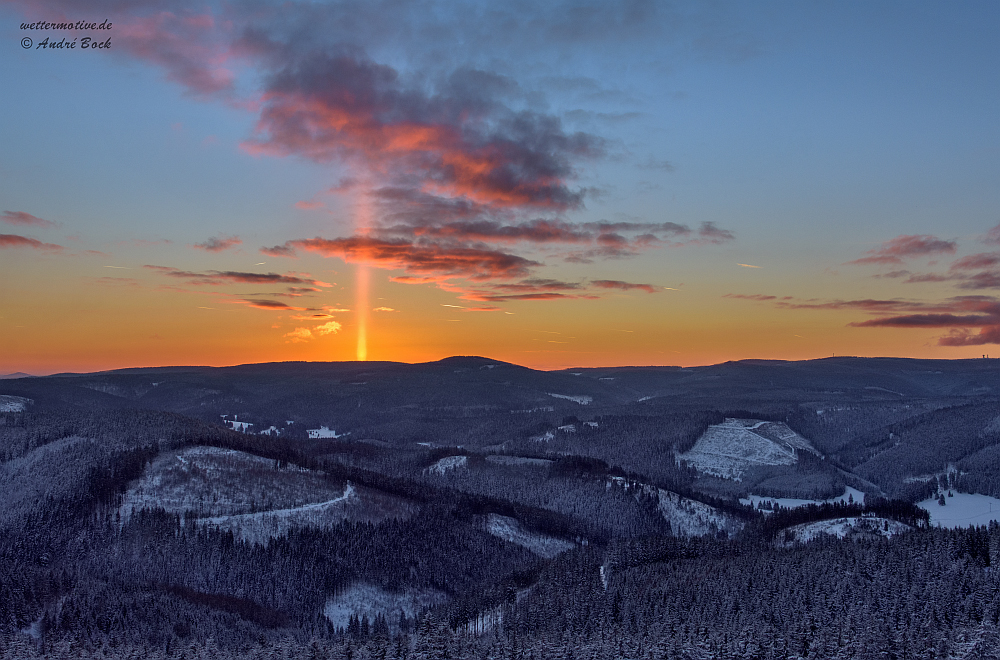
(470, 508)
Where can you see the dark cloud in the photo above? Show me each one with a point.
(278, 251)
(219, 244)
(895, 250)
(422, 260)
(273, 305)
(624, 286)
(460, 141)
(216, 277)
(988, 335)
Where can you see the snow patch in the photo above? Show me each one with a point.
(510, 529)
(582, 399)
(10, 403)
(962, 510)
(448, 463)
(548, 435)
(850, 494)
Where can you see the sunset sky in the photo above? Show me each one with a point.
(553, 184)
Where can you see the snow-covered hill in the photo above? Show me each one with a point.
(864, 527)
(509, 529)
(251, 496)
(729, 449)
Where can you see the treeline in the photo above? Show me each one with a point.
(782, 518)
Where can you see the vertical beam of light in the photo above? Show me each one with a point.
(362, 224)
(361, 304)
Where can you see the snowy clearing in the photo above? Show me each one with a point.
(850, 494)
(449, 463)
(209, 481)
(843, 528)
(729, 449)
(369, 600)
(692, 518)
(962, 510)
(687, 517)
(10, 403)
(260, 526)
(510, 529)
(582, 399)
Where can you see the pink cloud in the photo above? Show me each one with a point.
(22, 218)
(15, 241)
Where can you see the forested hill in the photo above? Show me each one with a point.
(474, 508)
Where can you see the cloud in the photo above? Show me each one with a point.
(466, 166)
(895, 250)
(191, 48)
(430, 260)
(308, 206)
(22, 218)
(15, 241)
(299, 335)
(992, 237)
(710, 233)
(273, 305)
(215, 277)
(328, 328)
(988, 335)
(305, 334)
(459, 140)
(959, 314)
(748, 265)
(219, 244)
(752, 296)
(384, 309)
(974, 261)
(278, 251)
(624, 286)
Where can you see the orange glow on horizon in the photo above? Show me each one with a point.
(361, 304)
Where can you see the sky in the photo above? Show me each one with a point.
(551, 184)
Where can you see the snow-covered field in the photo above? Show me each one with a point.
(510, 529)
(252, 496)
(449, 463)
(369, 600)
(843, 528)
(962, 510)
(850, 494)
(9, 403)
(727, 450)
(582, 399)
